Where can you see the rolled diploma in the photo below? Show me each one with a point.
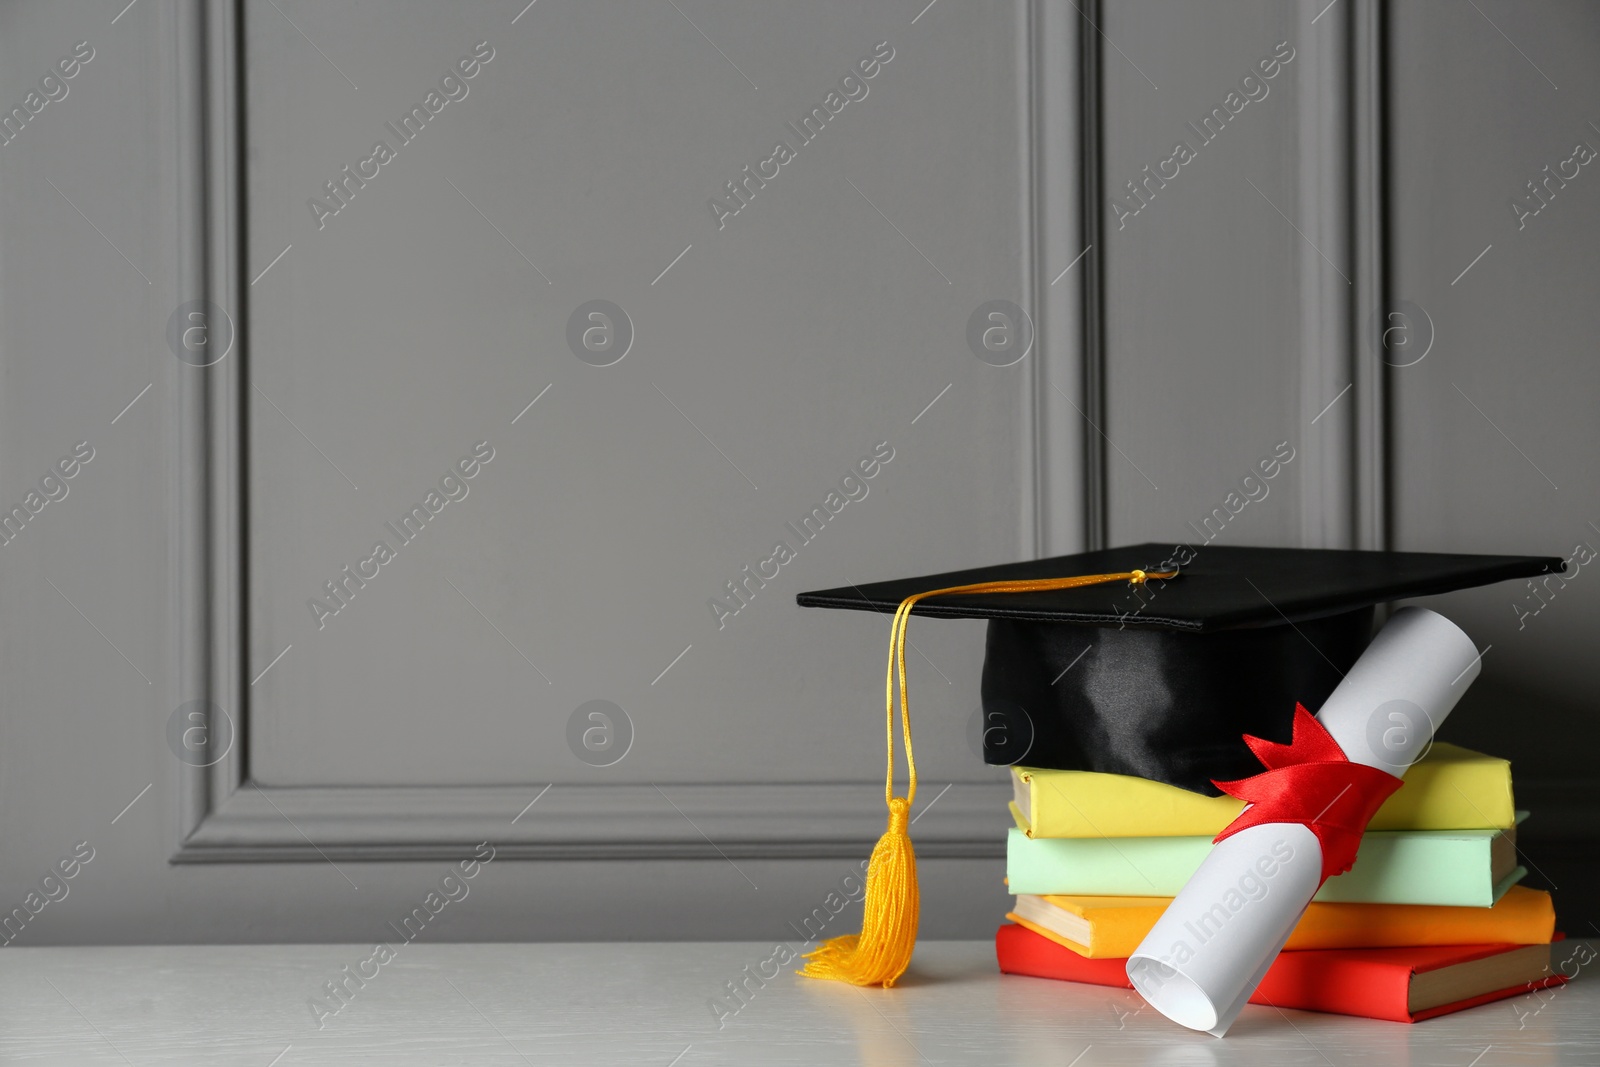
(1205, 956)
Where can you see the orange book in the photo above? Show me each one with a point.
(1112, 927)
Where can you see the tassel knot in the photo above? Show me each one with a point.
(899, 809)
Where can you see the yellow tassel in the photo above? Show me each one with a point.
(880, 954)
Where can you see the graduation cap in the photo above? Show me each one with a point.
(1150, 660)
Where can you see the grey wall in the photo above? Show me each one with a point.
(1192, 338)
(1495, 432)
(1384, 161)
(823, 325)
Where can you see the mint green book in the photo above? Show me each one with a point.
(1471, 868)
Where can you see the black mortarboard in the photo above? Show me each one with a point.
(1162, 680)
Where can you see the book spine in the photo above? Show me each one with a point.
(1021, 951)
(1420, 867)
(1466, 794)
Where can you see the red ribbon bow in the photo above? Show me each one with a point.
(1312, 782)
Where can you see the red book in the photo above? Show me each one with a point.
(1401, 984)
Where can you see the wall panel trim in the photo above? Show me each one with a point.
(576, 822)
(208, 549)
(1369, 247)
(225, 816)
(1341, 210)
(1092, 340)
(1068, 476)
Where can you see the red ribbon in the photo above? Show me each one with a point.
(1312, 782)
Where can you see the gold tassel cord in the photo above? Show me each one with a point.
(879, 955)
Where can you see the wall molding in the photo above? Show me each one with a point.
(1066, 400)
(1092, 345)
(208, 506)
(1369, 250)
(225, 816)
(578, 822)
(1327, 285)
(1341, 204)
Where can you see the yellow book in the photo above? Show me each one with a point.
(1112, 927)
(1450, 788)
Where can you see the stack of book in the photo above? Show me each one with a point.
(1430, 919)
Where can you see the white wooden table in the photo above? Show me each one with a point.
(649, 1005)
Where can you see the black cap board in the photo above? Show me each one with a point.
(1162, 680)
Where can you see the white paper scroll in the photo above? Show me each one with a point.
(1204, 958)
